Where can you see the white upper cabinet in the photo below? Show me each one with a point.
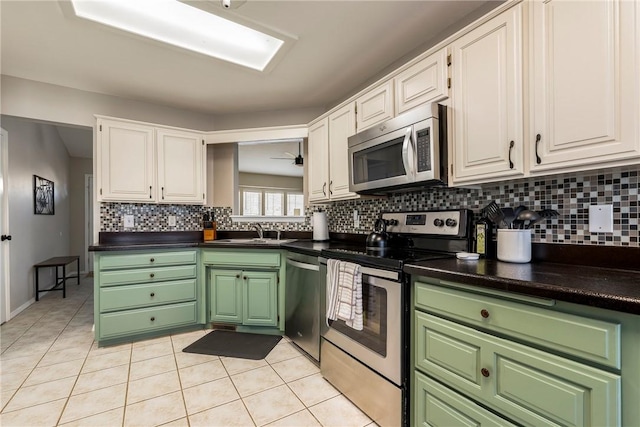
(141, 163)
(328, 156)
(341, 127)
(425, 81)
(318, 163)
(125, 162)
(180, 166)
(585, 84)
(487, 103)
(375, 106)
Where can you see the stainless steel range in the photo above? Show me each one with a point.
(370, 366)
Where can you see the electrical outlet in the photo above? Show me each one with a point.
(356, 219)
(128, 221)
(601, 219)
(172, 220)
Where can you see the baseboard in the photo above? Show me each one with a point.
(20, 309)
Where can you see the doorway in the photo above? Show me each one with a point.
(5, 308)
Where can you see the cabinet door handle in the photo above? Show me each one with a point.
(152, 260)
(324, 188)
(6, 237)
(330, 185)
(484, 313)
(237, 276)
(162, 190)
(511, 145)
(150, 192)
(153, 294)
(245, 277)
(153, 319)
(538, 159)
(152, 275)
(485, 372)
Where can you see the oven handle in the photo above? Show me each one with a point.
(405, 151)
(374, 272)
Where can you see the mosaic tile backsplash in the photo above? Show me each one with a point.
(569, 194)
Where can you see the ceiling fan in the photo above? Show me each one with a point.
(297, 160)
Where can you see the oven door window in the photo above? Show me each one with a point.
(382, 161)
(374, 314)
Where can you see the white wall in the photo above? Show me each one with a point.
(78, 168)
(35, 149)
(58, 104)
(300, 116)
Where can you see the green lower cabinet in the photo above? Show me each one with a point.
(260, 298)
(225, 296)
(243, 297)
(527, 385)
(437, 405)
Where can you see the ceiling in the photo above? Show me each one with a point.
(339, 47)
(273, 158)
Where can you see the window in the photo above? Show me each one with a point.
(252, 203)
(271, 202)
(295, 204)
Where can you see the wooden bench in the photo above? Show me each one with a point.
(61, 280)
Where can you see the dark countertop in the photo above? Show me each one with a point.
(607, 288)
(564, 279)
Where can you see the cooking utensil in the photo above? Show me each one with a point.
(528, 218)
(495, 214)
(509, 216)
(548, 213)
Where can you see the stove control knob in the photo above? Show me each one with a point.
(392, 222)
(438, 222)
(451, 222)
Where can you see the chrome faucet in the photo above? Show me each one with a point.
(256, 226)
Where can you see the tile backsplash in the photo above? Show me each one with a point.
(569, 194)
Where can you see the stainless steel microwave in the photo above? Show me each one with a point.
(403, 153)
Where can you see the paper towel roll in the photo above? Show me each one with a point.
(320, 227)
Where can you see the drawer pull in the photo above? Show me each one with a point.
(485, 372)
(152, 275)
(484, 313)
(153, 319)
(153, 294)
(152, 260)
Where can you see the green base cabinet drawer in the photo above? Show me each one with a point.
(527, 385)
(437, 405)
(241, 259)
(589, 339)
(157, 259)
(147, 275)
(147, 319)
(145, 295)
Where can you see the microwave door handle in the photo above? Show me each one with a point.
(407, 145)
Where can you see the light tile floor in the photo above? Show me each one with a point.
(53, 373)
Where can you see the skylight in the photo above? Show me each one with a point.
(187, 27)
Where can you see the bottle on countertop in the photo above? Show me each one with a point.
(483, 232)
(209, 227)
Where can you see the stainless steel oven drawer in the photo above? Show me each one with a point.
(380, 399)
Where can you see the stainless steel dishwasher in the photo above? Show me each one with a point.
(303, 299)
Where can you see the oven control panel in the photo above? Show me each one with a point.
(441, 223)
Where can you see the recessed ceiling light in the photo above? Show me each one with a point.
(185, 26)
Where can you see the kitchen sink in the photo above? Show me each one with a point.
(254, 241)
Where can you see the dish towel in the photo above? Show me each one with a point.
(344, 293)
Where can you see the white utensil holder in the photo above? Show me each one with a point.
(514, 245)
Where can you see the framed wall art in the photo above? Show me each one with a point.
(43, 192)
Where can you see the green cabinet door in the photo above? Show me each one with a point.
(260, 299)
(225, 296)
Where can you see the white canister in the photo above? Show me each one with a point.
(514, 245)
(320, 227)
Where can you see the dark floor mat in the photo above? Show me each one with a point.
(234, 344)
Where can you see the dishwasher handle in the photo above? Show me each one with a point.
(304, 266)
